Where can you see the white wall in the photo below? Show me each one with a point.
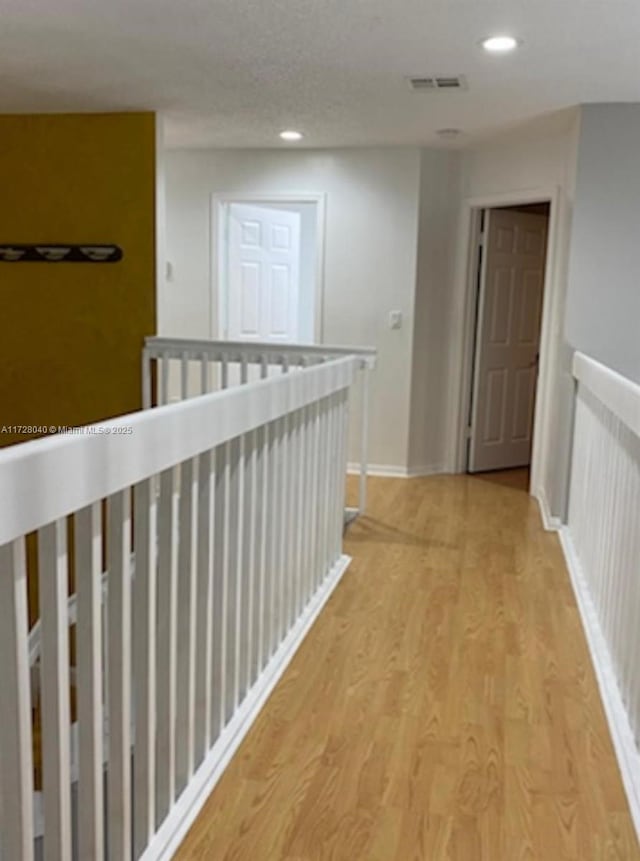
(603, 306)
(372, 198)
(439, 202)
(542, 156)
(393, 232)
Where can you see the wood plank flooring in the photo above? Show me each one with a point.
(443, 707)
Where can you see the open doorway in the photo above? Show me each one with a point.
(509, 280)
(268, 268)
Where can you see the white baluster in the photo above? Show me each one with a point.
(163, 362)
(184, 376)
(88, 555)
(234, 527)
(259, 514)
(341, 480)
(314, 494)
(53, 591)
(323, 463)
(326, 479)
(221, 563)
(300, 524)
(279, 532)
(364, 441)
(204, 605)
(336, 494)
(307, 547)
(16, 744)
(247, 569)
(306, 562)
(298, 512)
(146, 379)
(288, 525)
(272, 542)
(205, 374)
(167, 591)
(186, 643)
(265, 547)
(144, 663)
(119, 639)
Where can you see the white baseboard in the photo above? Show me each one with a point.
(423, 471)
(380, 470)
(174, 829)
(627, 753)
(549, 521)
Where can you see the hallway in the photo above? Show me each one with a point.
(443, 708)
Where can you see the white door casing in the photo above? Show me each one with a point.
(508, 340)
(263, 273)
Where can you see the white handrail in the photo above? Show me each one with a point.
(618, 393)
(45, 479)
(254, 351)
(262, 354)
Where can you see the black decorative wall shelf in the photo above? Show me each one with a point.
(53, 253)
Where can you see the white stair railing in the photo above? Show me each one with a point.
(232, 506)
(178, 368)
(601, 541)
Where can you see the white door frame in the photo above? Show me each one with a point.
(463, 344)
(219, 202)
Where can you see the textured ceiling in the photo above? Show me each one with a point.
(231, 73)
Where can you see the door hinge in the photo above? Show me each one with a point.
(469, 432)
(481, 238)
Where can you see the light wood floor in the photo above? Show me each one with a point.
(443, 707)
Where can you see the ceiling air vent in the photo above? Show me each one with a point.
(431, 83)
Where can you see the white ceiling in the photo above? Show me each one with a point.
(231, 73)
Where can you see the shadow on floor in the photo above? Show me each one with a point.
(517, 479)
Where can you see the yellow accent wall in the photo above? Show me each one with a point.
(71, 333)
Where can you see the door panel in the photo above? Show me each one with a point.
(530, 308)
(523, 403)
(280, 237)
(507, 340)
(250, 308)
(251, 236)
(280, 280)
(499, 307)
(494, 417)
(263, 273)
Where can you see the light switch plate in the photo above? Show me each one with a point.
(395, 319)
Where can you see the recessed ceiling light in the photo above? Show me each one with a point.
(500, 44)
(291, 135)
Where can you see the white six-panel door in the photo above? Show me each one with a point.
(263, 268)
(508, 338)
